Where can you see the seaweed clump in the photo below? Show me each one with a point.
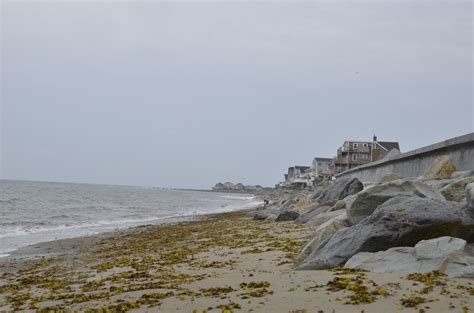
(255, 289)
(412, 301)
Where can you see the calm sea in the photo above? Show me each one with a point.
(32, 212)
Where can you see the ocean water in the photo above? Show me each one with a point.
(33, 212)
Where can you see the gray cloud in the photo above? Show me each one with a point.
(185, 94)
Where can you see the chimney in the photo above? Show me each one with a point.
(375, 138)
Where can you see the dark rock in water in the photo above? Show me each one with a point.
(287, 216)
(401, 221)
(342, 188)
(365, 202)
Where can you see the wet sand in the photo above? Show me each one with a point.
(221, 263)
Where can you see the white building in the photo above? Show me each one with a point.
(321, 168)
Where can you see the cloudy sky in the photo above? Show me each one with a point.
(186, 94)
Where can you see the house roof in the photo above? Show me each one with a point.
(357, 141)
(389, 145)
(323, 159)
(302, 167)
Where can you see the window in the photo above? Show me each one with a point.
(354, 157)
(365, 145)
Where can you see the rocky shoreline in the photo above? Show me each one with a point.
(374, 226)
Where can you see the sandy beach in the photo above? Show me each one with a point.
(221, 263)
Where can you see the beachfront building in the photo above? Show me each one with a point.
(297, 176)
(355, 153)
(381, 149)
(321, 169)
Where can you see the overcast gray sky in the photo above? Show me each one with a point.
(186, 94)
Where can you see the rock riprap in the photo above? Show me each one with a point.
(444, 254)
(364, 203)
(401, 221)
(342, 188)
(442, 168)
(264, 214)
(311, 212)
(323, 232)
(287, 216)
(456, 191)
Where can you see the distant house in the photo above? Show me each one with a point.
(297, 176)
(320, 168)
(296, 171)
(301, 170)
(290, 175)
(381, 148)
(356, 153)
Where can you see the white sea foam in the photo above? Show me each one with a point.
(49, 211)
(125, 222)
(248, 198)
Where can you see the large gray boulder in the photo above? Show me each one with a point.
(289, 203)
(364, 203)
(319, 191)
(445, 254)
(322, 218)
(267, 214)
(456, 191)
(310, 212)
(342, 188)
(323, 232)
(287, 216)
(401, 221)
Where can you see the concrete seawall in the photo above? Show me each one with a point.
(415, 163)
